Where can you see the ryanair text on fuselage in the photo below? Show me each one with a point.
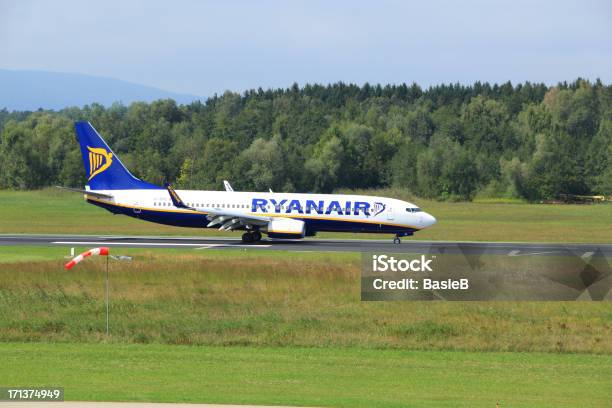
(285, 206)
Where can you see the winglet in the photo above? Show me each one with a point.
(176, 200)
(228, 186)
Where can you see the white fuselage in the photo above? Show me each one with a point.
(320, 212)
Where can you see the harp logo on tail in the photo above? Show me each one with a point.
(99, 160)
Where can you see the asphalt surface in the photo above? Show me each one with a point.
(312, 245)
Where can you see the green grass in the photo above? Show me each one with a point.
(267, 299)
(337, 377)
(17, 254)
(273, 327)
(52, 211)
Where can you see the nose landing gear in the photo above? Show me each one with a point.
(397, 239)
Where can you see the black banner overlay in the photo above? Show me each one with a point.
(462, 272)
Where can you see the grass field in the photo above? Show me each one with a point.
(52, 211)
(267, 299)
(339, 377)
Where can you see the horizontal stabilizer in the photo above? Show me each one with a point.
(91, 193)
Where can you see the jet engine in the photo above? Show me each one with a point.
(285, 228)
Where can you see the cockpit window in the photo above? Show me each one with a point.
(415, 209)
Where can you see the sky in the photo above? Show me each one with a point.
(207, 47)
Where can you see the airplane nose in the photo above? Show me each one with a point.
(428, 220)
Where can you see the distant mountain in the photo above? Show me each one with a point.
(31, 90)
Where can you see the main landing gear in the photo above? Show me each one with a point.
(249, 237)
(397, 240)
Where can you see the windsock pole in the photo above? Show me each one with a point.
(95, 251)
(107, 296)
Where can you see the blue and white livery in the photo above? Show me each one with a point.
(279, 215)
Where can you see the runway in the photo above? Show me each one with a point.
(312, 245)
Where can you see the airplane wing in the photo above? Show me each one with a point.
(226, 219)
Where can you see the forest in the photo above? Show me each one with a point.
(447, 142)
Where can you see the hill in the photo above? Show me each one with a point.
(31, 90)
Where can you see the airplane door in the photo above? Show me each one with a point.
(389, 213)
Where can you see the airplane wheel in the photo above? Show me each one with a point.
(397, 240)
(247, 237)
(256, 236)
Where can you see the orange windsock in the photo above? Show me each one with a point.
(95, 251)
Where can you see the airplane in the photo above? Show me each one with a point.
(110, 185)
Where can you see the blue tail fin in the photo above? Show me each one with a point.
(104, 169)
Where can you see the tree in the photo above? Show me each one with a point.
(554, 168)
(262, 166)
(404, 166)
(206, 171)
(324, 165)
(485, 124)
(446, 171)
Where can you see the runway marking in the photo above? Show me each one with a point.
(537, 253)
(208, 246)
(514, 253)
(122, 243)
